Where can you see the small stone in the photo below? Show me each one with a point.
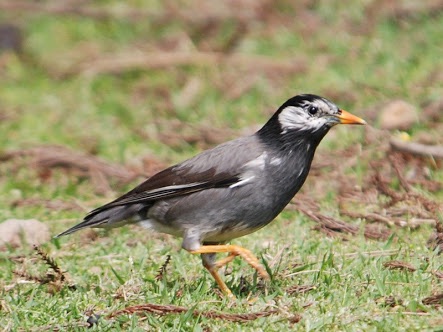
(11, 38)
(17, 233)
(93, 320)
(398, 114)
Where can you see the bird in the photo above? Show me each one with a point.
(231, 190)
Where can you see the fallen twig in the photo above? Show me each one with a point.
(375, 232)
(434, 299)
(299, 289)
(438, 274)
(56, 278)
(383, 187)
(373, 253)
(408, 195)
(172, 309)
(418, 149)
(331, 226)
(70, 8)
(173, 12)
(435, 241)
(55, 328)
(390, 221)
(409, 313)
(393, 265)
(389, 301)
(52, 156)
(54, 204)
(27, 276)
(162, 271)
(374, 217)
(61, 156)
(51, 263)
(135, 59)
(395, 162)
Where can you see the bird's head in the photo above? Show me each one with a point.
(307, 117)
(311, 113)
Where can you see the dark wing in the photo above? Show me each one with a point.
(216, 168)
(172, 182)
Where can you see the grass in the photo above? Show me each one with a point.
(354, 59)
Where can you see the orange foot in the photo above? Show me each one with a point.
(233, 251)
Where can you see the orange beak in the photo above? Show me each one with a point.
(348, 118)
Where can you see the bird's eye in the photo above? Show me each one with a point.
(313, 109)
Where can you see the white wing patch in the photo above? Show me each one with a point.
(251, 169)
(174, 187)
(300, 172)
(258, 162)
(242, 181)
(275, 161)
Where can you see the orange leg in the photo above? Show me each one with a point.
(222, 262)
(214, 272)
(233, 251)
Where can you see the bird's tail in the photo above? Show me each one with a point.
(108, 217)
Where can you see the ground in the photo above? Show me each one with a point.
(96, 96)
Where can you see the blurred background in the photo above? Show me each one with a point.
(120, 78)
(147, 83)
(97, 95)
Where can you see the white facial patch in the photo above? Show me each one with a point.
(297, 118)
